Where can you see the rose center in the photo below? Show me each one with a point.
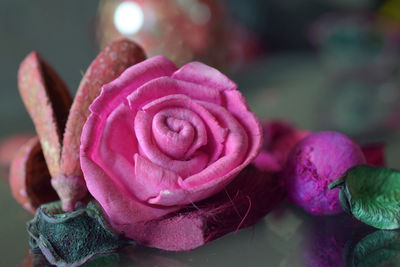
(178, 132)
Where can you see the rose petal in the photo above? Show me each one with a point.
(217, 175)
(164, 86)
(120, 206)
(183, 168)
(115, 92)
(112, 96)
(172, 198)
(199, 73)
(143, 122)
(118, 139)
(235, 146)
(153, 178)
(116, 148)
(178, 132)
(237, 105)
(213, 186)
(115, 155)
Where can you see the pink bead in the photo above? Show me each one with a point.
(313, 164)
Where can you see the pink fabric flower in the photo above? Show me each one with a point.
(160, 138)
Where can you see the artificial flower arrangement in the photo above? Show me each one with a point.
(172, 158)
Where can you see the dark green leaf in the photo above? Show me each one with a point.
(381, 248)
(71, 239)
(372, 195)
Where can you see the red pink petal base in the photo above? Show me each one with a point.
(242, 204)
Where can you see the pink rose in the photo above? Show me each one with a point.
(160, 138)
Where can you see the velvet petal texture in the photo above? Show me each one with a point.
(160, 138)
(279, 138)
(241, 204)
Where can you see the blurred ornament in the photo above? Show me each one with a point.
(351, 4)
(362, 107)
(9, 147)
(353, 42)
(388, 18)
(183, 30)
(254, 14)
(360, 55)
(390, 10)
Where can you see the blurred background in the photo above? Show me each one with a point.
(321, 64)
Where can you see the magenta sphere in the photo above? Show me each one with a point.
(313, 164)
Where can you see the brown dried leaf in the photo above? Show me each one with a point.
(109, 64)
(47, 100)
(30, 178)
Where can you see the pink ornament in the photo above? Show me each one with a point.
(160, 138)
(313, 164)
(184, 31)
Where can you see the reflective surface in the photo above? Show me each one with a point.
(286, 237)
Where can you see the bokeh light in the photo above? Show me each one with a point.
(128, 18)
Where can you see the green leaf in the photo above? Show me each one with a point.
(71, 239)
(372, 195)
(381, 248)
